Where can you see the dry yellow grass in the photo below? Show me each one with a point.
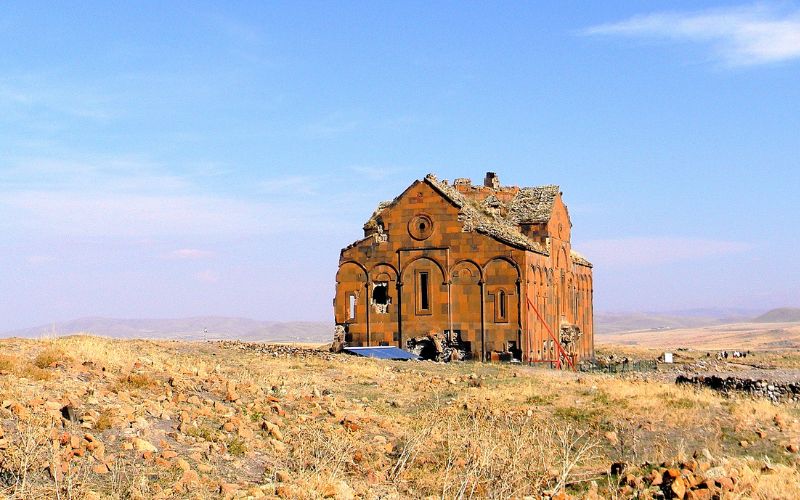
(7, 363)
(741, 336)
(340, 425)
(50, 357)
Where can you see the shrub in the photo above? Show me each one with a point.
(138, 381)
(105, 420)
(576, 414)
(49, 357)
(237, 447)
(204, 432)
(33, 372)
(7, 363)
(680, 403)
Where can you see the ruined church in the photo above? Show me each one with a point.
(487, 268)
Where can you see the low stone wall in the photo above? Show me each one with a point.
(775, 391)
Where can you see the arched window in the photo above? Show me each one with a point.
(501, 307)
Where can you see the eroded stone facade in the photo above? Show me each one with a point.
(483, 261)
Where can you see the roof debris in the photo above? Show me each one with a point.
(491, 216)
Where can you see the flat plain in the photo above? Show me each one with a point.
(734, 336)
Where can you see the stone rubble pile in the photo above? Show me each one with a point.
(692, 479)
(774, 391)
(278, 350)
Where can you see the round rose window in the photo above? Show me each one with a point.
(420, 227)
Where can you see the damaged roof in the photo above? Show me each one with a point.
(529, 205)
(533, 205)
(579, 258)
(476, 217)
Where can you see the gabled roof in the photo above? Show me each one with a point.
(490, 216)
(476, 217)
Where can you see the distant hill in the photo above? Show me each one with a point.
(780, 315)
(187, 329)
(610, 322)
(618, 322)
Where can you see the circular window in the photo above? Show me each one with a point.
(420, 227)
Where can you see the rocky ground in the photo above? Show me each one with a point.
(87, 417)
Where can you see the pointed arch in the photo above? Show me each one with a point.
(562, 261)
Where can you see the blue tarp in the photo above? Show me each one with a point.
(381, 352)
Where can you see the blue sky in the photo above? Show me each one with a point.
(174, 159)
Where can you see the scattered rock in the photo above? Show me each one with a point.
(142, 445)
(617, 468)
(338, 490)
(230, 392)
(100, 468)
(677, 488)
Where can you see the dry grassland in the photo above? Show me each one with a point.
(741, 336)
(89, 417)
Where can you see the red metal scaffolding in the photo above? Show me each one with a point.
(561, 351)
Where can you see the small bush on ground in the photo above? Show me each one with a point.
(49, 357)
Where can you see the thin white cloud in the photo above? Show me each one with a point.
(291, 185)
(739, 36)
(207, 276)
(191, 254)
(375, 173)
(137, 199)
(29, 92)
(119, 173)
(334, 125)
(643, 251)
(36, 260)
(140, 216)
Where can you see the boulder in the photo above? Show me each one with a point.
(338, 490)
(142, 445)
(677, 488)
(230, 392)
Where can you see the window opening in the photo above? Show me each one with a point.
(380, 294)
(380, 297)
(424, 299)
(351, 307)
(500, 306)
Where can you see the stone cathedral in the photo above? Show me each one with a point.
(488, 266)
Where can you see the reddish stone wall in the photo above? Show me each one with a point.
(440, 278)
